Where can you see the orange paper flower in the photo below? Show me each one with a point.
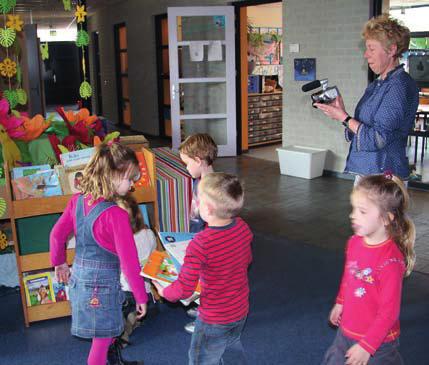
(7, 67)
(33, 127)
(80, 13)
(14, 22)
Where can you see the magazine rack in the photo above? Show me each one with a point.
(39, 261)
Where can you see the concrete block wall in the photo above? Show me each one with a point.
(330, 31)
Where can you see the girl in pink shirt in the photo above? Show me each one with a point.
(378, 256)
(104, 246)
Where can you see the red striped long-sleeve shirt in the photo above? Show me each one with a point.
(219, 257)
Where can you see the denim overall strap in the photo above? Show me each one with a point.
(95, 294)
(88, 248)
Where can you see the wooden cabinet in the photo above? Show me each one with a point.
(265, 118)
(20, 209)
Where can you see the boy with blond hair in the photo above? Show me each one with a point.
(198, 152)
(218, 257)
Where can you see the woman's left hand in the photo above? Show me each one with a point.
(334, 110)
(357, 355)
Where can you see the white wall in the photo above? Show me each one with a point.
(331, 33)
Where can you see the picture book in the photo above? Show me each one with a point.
(61, 290)
(70, 178)
(144, 180)
(38, 289)
(159, 266)
(76, 158)
(176, 243)
(38, 185)
(28, 170)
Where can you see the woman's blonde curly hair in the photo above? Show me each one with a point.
(388, 31)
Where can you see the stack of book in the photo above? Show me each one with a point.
(174, 185)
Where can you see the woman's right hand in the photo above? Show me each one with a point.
(141, 310)
(62, 273)
(335, 315)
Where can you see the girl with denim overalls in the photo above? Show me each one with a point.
(104, 246)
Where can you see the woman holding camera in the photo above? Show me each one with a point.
(385, 114)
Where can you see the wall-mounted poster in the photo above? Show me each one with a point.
(305, 69)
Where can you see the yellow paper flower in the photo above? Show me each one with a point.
(14, 22)
(7, 67)
(80, 13)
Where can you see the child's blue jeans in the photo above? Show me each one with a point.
(387, 353)
(214, 344)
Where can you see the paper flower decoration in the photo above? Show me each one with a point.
(3, 207)
(67, 5)
(14, 22)
(44, 50)
(11, 97)
(80, 13)
(7, 67)
(85, 90)
(82, 38)
(3, 238)
(21, 96)
(7, 36)
(7, 5)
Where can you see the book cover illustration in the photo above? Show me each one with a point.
(28, 170)
(38, 289)
(176, 244)
(144, 180)
(61, 290)
(76, 158)
(38, 185)
(159, 266)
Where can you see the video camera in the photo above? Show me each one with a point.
(325, 96)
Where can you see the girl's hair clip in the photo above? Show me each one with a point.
(110, 143)
(388, 174)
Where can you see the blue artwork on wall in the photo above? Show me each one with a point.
(305, 69)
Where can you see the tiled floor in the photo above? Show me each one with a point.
(311, 211)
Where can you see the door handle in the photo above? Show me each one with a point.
(174, 91)
(55, 79)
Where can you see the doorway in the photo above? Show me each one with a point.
(61, 75)
(261, 77)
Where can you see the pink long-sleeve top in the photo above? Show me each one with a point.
(112, 231)
(370, 292)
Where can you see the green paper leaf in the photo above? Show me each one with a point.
(7, 5)
(11, 97)
(67, 5)
(16, 113)
(21, 96)
(7, 36)
(82, 38)
(85, 90)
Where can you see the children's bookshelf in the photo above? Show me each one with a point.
(37, 207)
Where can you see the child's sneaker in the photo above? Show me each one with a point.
(190, 327)
(192, 312)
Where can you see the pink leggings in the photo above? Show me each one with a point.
(98, 353)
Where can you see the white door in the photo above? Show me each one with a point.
(202, 74)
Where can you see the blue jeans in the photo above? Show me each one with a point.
(214, 344)
(386, 354)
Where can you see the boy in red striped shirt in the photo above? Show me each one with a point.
(218, 257)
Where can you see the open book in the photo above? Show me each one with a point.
(160, 265)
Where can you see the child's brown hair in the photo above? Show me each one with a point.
(225, 191)
(200, 145)
(129, 204)
(108, 164)
(390, 195)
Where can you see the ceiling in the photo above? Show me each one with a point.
(51, 13)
